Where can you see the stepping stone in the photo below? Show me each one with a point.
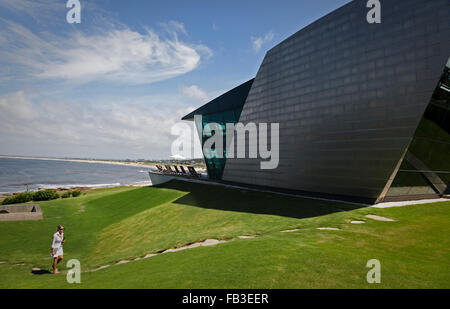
(137, 259)
(290, 231)
(379, 218)
(357, 222)
(122, 262)
(3, 262)
(194, 245)
(35, 269)
(149, 256)
(210, 242)
(175, 249)
(247, 236)
(328, 228)
(101, 267)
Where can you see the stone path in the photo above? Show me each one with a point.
(213, 242)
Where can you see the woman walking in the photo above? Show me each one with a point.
(57, 249)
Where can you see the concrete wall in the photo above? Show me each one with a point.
(20, 212)
(348, 96)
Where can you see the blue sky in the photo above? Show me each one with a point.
(114, 85)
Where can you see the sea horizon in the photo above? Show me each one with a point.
(17, 174)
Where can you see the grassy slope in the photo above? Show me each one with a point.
(108, 225)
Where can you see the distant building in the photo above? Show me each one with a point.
(364, 109)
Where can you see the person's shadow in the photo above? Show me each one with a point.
(40, 271)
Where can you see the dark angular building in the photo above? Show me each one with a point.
(363, 109)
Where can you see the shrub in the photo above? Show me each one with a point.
(7, 201)
(45, 195)
(18, 198)
(66, 194)
(76, 193)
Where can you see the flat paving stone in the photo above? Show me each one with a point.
(247, 236)
(175, 249)
(149, 255)
(100, 268)
(357, 222)
(290, 231)
(123, 262)
(194, 245)
(210, 242)
(379, 218)
(328, 228)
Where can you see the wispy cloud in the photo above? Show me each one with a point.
(36, 9)
(196, 93)
(133, 130)
(258, 42)
(118, 55)
(173, 27)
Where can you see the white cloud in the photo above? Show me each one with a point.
(258, 42)
(84, 129)
(196, 93)
(118, 55)
(16, 106)
(173, 27)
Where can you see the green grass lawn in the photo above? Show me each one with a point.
(108, 225)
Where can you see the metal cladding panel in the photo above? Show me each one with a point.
(233, 99)
(348, 96)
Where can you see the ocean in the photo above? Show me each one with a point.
(48, 174)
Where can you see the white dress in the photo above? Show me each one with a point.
(57, 244)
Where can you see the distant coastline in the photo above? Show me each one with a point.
(137, 164)
(14, 179)
(70, 177)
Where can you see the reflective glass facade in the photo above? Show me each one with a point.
(225, 109)
(214, 162)
(425, 169)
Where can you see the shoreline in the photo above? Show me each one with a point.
(80, 160)
(83, 188)
(66, 187)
